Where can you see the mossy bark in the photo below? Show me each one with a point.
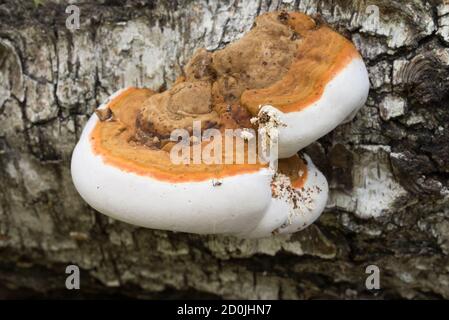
(388, 169)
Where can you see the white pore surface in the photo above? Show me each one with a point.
(235, 206)
(285, 217)
(342, 97)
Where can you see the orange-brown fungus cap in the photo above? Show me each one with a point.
(116, 142)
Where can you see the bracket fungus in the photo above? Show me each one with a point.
(289, 78)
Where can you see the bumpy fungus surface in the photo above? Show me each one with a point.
(123, 142)
(285, 60)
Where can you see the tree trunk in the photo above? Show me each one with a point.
(388, 169)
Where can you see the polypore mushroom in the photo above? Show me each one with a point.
(288, 77)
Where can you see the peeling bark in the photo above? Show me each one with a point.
(388, 169)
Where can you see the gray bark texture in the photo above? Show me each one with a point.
(388, 169)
